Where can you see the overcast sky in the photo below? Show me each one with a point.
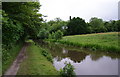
(105, 9)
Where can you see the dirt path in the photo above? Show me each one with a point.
(16, 64)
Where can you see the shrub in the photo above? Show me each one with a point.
(67, 71)
(57, 35)
(43, 34)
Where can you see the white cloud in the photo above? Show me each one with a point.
(105, 9)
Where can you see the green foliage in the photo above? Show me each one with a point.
(12, 30)
(19, 21)
(68, 71)
(96, 22)
(43, 34)
(57, 35)
(76, 26)
(97, 25)
(117, 26)
(47, 55)
(7, 54)
(22, 15)
(57, 24)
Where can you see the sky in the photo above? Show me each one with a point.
(86, 9)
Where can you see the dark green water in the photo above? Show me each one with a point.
(85, 62)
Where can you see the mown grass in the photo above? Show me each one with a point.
(36, 63)
(100, 41)
(13, 52)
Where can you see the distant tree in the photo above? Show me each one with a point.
(89, 28)
(107, 24)
(76, 26)
(57, 24)
(97, 25)
(112, 25)
(117, 26)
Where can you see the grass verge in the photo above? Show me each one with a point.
(36, 63)
(101, 41)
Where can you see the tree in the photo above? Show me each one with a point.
(12, 30)
(112, 25)
(117, 26)
(97, 25)
(43, 34)
(26, 14)
(76, 26)
(57, 24)
(89, 28)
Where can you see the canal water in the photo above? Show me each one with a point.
(85, 62)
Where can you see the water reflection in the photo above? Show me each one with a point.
(73, 55)
(76, 56)
(104, 66)
(95, 57)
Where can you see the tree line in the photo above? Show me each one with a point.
(77, 25)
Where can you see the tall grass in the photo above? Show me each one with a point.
(101, 41)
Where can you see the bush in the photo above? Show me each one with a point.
(67, 71)
(43, 34)
(57, 35)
